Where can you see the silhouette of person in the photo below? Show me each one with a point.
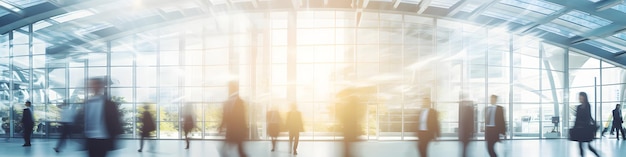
(428, 127)
(294, 127)
(608, 125)
(466, 123)
(584, 125)
(67, 119)
(617, 121)
(234, 123)
(350, 114)
(101, 120)
(494, 125)
(188, 122)
(6, 126)
(273, 125)
(148, 125)
(28, 122)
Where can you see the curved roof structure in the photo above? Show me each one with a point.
(594, 26)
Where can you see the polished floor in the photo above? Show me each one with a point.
(175, 148)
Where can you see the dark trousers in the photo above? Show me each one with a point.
(28, 132)
(7, 134)
(464, 144)
(582, 152)
(187, 139)
(66, 131)
(618, 128)
(98, 147)
(294, 138)
(238, 144)
(424, 139)
(491, 144)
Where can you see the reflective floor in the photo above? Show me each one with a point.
(174, 148)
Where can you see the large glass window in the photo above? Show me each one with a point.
(305, 58)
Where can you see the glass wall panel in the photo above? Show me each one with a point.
(306, 59)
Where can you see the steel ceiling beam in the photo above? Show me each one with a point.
(542, 21)
(606, 4)
(396, 3)
(422, 6)
(482, 9)
(457, 7)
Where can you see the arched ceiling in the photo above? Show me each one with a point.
(593, 26)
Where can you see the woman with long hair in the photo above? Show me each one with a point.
(584, 124)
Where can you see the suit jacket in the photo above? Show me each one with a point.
(148, 122)
(583, 116)
(617, 116)
(294, 121)
(493, 133)
(27, 118)
(432, 124)
(234, 120)
(112, 120)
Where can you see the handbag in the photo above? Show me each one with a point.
(585, 133)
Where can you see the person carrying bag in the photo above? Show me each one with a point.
(585, 127)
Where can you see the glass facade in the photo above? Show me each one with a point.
(306, 57)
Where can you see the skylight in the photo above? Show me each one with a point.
(585, 19)
(443, 3)
(539, 6)
(72, 16)
(24, 3)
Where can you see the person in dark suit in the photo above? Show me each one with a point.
(148, 125)
(294, 127)
(100, 118)
(427, 127)
(584, 120)
(466, 123)
(273, 120)
(28, 122)
(617, 121)
(234, 123)
(494, 125)
(188, 122)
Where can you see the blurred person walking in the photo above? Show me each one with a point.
(67, 119)
(466, 123)
(6, 126)
(494, 125)
(234, 123)
(294, 127)
(273, 125)
(428, 127)
(101, 120)
(617, 121)
(28, 122)
(350, 114)
(585, 127)
(148, 126)
(608, 125)
(188, 122)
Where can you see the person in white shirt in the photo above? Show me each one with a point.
(67, 119)
(494, 125)
(428, 127)
(101, 120)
